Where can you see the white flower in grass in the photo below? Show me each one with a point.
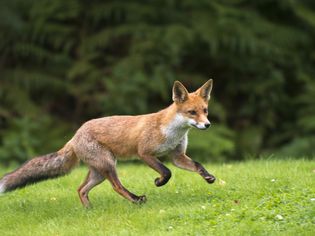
(279, 217)
(312, 199)
(203, 207)
(222, 182)
(273, 180)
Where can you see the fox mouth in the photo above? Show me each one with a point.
(203, 128)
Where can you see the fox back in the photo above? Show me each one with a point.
(156, 133)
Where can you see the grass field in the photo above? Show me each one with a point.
(250, 198)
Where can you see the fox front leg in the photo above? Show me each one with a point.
(184, 162)
(156, 165)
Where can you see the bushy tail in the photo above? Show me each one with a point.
(40, 168)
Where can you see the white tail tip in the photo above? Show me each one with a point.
(2, 188)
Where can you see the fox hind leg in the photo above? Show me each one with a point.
(105, 164)
(102, 163)
(109, 171)
(93, 178)
(120, 189)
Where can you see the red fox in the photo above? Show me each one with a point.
(99, 142)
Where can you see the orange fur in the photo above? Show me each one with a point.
(125, 136)
(100, 141)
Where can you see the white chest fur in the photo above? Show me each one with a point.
(175, 133)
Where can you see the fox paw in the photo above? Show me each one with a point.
(158, 182)
(210, 179)
(162, 180)
(140, 200)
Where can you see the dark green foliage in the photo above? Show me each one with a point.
(217, 145)
(64, 62)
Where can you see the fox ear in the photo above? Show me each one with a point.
(205, 90)
(180, 93)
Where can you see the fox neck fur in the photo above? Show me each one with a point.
(175, 133)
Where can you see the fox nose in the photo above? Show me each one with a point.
(207, 125)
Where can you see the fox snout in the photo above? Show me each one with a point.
(200, 125)
(203, 125)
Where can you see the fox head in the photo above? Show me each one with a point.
(193, 107)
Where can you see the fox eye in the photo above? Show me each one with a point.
(192, 112)
(205, 110)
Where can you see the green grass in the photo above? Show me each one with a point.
(250, 198)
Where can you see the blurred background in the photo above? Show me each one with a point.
(65, 62)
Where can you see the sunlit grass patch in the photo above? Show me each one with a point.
(250, 198)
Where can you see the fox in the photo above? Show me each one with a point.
(100, 142)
